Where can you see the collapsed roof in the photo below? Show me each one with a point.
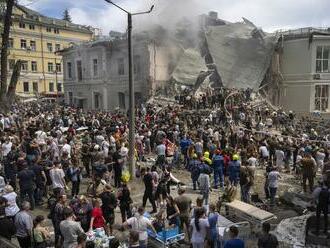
(235, 55)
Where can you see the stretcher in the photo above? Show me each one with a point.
(166, 237)
(247, 212)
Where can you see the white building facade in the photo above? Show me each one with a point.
(96, 74)
(305, 69)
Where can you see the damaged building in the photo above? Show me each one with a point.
(290, 68)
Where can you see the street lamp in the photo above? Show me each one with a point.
(131, 85)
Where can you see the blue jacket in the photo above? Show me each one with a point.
(218, 162)
(234, 170)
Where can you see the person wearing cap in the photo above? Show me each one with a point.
(218, 169)
(234, 170)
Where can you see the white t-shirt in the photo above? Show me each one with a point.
(6, 148)
(12, 208)
(57, 175)
(273, 177)
(279, 154)
(66, 148)
(161, 150)
(199, 236)
(252, 161)
(140, 224)
(264, 151)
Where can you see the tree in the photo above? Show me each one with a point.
(7, 94)
(66, 16)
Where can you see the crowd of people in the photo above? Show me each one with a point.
(48, 151)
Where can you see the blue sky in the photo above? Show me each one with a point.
(269, 14)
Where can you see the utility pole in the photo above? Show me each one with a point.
(131, 120)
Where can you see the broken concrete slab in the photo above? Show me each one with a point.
(241, 53)
(301, 203)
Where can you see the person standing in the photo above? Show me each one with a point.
(118, 166)
(97, 220)
(7, 226)
(140, 224)
(322, 198)
(109, 203)
(74, 172)
(125, 201)
(267, 240)
(204, 185)
(11, 207)
(309, 169)
(26, 179)
(184, 204)
(234, 241)
(218, 167)
(213, 219)
(273, 178)
(58, 179)
(199, 228)
(24, 225)
(234, 170)
(148, 191)
(70, 229)
(57, 217)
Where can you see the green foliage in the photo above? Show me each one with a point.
(66, 15)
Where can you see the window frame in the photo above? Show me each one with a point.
(95, 67)
(50, 65)
(33, 47)
(321, 97)
(31, 27)
(24, 63)
(51, 89)
(49, 47)
(33, 87)
(34, 63)
(25, 42)
(69, 69)
(11, 43)
(79, 70)
(48, 29)
(58, 67)
(28, 86)
(57, 47)
(121, 66)
(21, 25)
(321, 61)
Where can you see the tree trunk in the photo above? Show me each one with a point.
(13, 81)
(4, 49)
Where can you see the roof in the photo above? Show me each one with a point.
(36, 16)
(241, 53)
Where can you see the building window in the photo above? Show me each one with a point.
(23, 44)
(137, 64)
(26, 87)
(56, 31)
(321, 97)
(50, 67)
(138, 98)
(31, 26)
(24, 66)
(59, 87)
(34, 66)
(57, 47)
(69, 67)
(121, 66)
(121, 100)
(322, 58)
(58, 67)
(95, 68)
(22, 25)
(48, 29)
(50, 47)
(32, 45)
(11, 63)
(51, 87)
(10, 43)
(79, 70)
(35, 87)
(96, 100)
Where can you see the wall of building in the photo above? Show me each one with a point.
(42, 79)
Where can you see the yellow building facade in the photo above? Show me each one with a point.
(35, 39)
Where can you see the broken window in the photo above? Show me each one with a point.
(322, 58)
(321, 97)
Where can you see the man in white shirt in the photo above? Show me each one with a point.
(57, 176)
(280, 156)
(66, 149)
(264, 154)
(273, 178)
(6, 147)
(140, 224)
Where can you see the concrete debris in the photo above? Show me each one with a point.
(291, 232)
(300, 203)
